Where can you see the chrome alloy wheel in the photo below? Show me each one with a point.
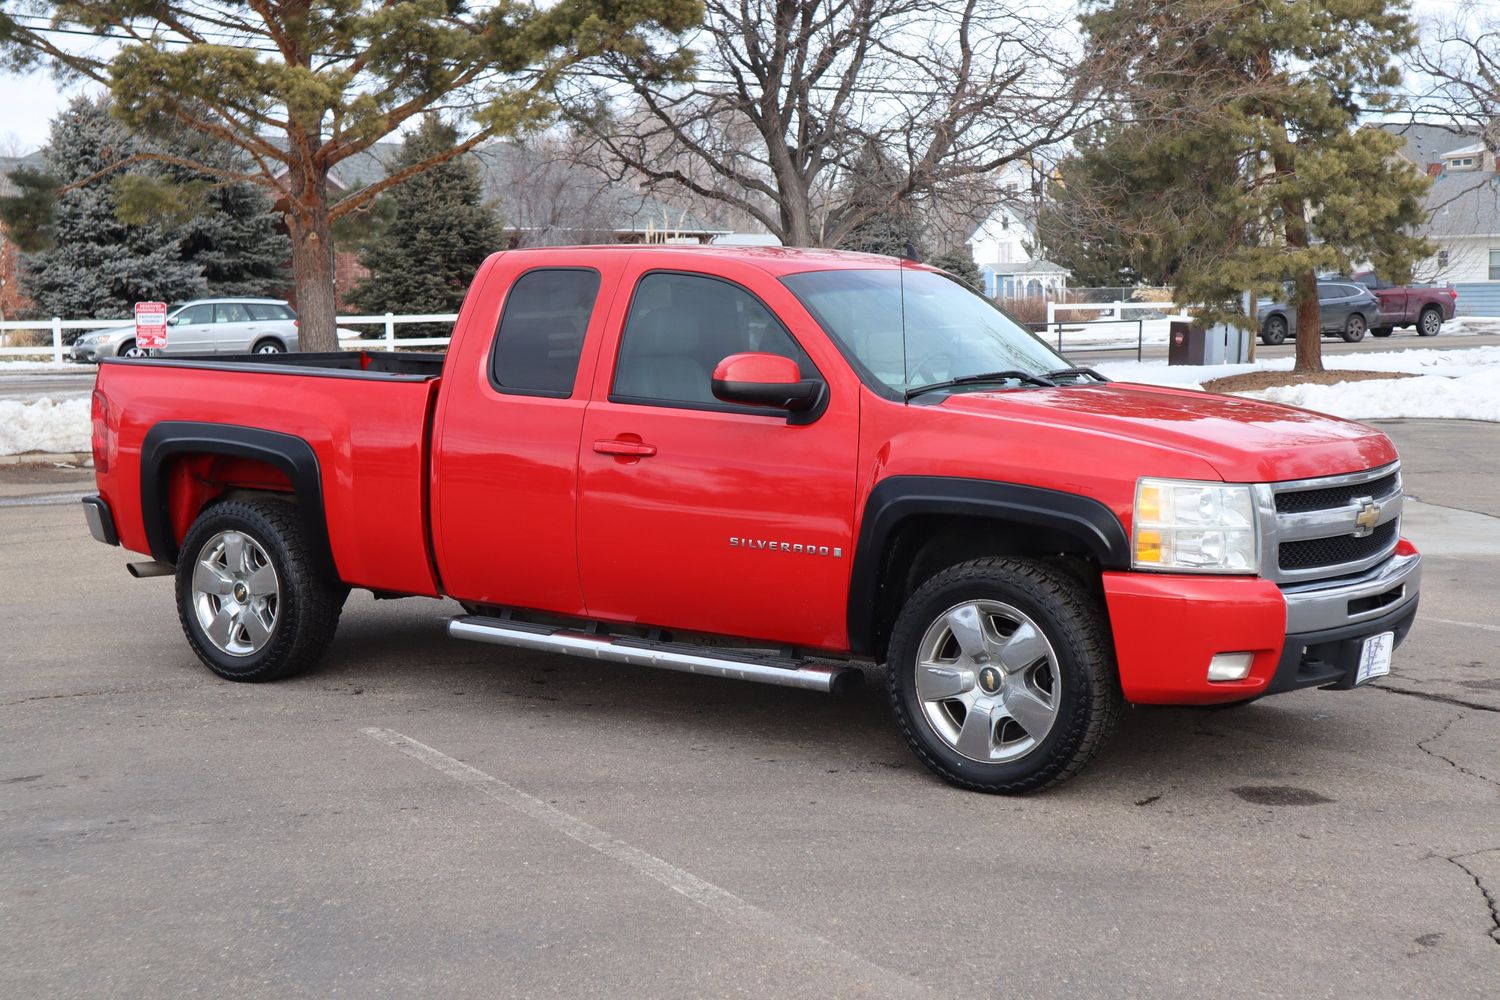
(236, 593)
(988, 681)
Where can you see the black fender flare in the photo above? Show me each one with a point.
(290, 454)
(894, 500)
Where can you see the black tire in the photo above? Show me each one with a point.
(307, 604)
(268, 345)
(1430, 322)
(1273, 332)
(129, 346)
(1354, 329)
(1380, 331)
(1075, 626)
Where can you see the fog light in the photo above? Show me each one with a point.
(1230, 666)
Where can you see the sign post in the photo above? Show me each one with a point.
(151, 325)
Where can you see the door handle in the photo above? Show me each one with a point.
(628, 449)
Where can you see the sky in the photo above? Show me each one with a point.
(28, 102)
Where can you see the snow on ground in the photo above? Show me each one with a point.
(7, 365)
(1453, 385)
(1124, 333)
(44, 426)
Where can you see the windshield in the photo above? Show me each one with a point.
(909, 328)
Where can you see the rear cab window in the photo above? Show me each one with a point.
(539, 338)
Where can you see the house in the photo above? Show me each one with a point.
(1464, 202)
(999, 243)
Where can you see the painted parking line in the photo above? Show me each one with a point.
(43, 500)
(1450, 621)
(862, 976)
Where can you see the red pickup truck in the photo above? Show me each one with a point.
(1426, 307)
(771, 465)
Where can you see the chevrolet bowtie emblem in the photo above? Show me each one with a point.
(1368, 516)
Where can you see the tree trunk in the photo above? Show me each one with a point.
(1309, 325)
(313, 272)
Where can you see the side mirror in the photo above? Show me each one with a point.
(173, 320)
(768, 380)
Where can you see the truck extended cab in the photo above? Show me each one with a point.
(1426, 307)
(771, 464)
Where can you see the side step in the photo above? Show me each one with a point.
(710, 660)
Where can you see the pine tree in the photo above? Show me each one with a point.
(98, 266)
(1242, 120)
(959, 262)
(100, 240)
(439, 232)
(891, 226)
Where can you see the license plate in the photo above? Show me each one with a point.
(1375, 657)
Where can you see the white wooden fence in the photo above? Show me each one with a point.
(56, 349)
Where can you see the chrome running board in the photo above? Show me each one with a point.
(710, 660)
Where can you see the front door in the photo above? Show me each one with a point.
(192, 332)
(726, 519)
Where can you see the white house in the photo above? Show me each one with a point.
(999, 242)
(1465, 222)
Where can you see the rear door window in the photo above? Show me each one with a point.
(231, 312)
(540, 336)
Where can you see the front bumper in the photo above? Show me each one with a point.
(1168, 627)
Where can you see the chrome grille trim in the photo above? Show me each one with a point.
(1328, 522)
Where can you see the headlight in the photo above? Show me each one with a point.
(1194, 527)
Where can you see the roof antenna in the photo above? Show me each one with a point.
(909, 252)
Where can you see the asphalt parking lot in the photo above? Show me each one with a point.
(425, 817)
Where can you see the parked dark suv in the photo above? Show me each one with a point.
(1346, 308)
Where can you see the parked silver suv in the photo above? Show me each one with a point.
(204, 326)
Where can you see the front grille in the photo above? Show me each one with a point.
(1334, 496)
(1335, 551)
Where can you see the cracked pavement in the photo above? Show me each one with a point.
(166, 834)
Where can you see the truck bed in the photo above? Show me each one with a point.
(364, 417)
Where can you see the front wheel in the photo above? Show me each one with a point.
(1354, 329)
(1430, 323)
(1380, 331)
(251, 601)
(1003, 676)
(130, 349)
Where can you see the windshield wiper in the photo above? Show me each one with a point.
(1076, 373)
(1009, 375)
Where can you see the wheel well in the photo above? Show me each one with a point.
(194, 481)
(262, 341)
(925, 545)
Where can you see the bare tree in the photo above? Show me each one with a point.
(551, 195)
(787, 92)
(1460, 59)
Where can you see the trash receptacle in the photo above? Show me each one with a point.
(1185, 344)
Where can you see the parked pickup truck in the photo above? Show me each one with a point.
(771, 465)
(1426, 307)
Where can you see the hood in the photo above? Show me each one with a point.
(1244, 440)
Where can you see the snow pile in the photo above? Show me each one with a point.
(1453, 385)
(44, 426)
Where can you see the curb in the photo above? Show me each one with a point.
(81, 459)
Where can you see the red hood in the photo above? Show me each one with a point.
(1244, 440)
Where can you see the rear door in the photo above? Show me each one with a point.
(232, 328)
(733, 521)
(1333, 304)
(192, 331)
(505, 439)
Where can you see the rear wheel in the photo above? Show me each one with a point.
(251, 602)
(1002, 675)
(1274, 331)
(1354, 329)
(268, 346)
(1430, 323)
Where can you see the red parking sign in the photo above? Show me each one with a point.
(151, 325)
